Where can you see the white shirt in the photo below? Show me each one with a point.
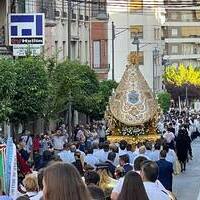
(80, 136)
(66, 156)
(155, 155)
(58, 142)
(91, 160)
(38, 196)
(149, 154)
(169, 136)
(131, 155)
(31, 194)
(171, 156)
(122, 152)
(27, 140)
(98, 153)
(101, 155)
(118, 186)
(154, 192)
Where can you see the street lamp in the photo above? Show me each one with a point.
(155, 56)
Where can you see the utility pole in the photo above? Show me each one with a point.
(69, 57)
(154, 58)
(113, 51)
(69, 27)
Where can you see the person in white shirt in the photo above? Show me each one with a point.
(130, 153)
(149, 174)
(137, 168)
(40, 186)
(90, 159)
(142, 151)
(169, 136)
(58, 141)
(103, 154)
(156, 152)
(66, 155)
(117, 189)
(27, 140)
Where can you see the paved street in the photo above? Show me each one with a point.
(187, 185)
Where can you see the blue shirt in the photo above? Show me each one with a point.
(4, 197)
(66, 156)
(91, 160)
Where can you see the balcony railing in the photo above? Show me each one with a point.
(101, 68)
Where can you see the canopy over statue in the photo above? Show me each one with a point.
(132, 107)
(133, 102)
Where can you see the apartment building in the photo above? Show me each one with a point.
(135, 22)
(56, 26)
(99, 38)
(181, 32)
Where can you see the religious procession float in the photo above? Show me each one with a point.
(133, 112)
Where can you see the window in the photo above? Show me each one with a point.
(21, 6)
(136, 30)
(174, 16)
(174, 32)
(135, 5)
(156, 33)
(187, 16)
(96, 54)
(141, 57)
(80, 51)
(73, 50)
(175, 49)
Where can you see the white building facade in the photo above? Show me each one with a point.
(182, 33)
(145, 23)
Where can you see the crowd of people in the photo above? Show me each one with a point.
(50, 167)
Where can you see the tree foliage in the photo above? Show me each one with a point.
(31, 89)
(182, 75)
(73, 82)
(164, 100)
(7, 87)
(101, 98)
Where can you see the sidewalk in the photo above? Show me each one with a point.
(186, 186)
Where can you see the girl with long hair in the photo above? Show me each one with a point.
(63, 182)
(133, 188)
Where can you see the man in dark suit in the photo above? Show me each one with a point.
(165, 171)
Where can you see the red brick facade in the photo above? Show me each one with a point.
(99, 32)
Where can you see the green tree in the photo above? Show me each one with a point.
(7, 87)
(31, 89)
(74, 83)
(100, 100)
(164, 100)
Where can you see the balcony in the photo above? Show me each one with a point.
(182, 57)
(101, 69)
(183, 40)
